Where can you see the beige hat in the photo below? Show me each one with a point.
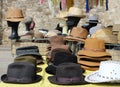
(14, 15)
(61, 15)
(75, 12)
(106, 35)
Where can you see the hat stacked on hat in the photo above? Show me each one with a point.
(14, 15)
(68, 74)
(77, 34)
(60, 57)
(92, 54)
(21, 73)
(30, 50)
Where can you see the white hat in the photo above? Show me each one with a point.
(109, 71)
(93, 19)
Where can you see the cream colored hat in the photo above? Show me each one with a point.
(61, 15)
(75, 12)
(14, 15)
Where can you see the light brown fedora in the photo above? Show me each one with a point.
(14, 15)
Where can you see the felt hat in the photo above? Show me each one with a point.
(21, 73)
(14, 15)
(108, 73)
(60, 57)
(94, 47)
(77, 34)
(30, 50)
(75, 12)
(68, 74)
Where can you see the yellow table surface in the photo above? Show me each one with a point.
(45, 82)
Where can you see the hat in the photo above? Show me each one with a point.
(93, 19)
(21, 73)
(75, 12)
(108, 73)
(94, 47)
(61, 15)
(14, 15)
(77, 34)
(60, 57)
(68, 74)
(28, 58)
(106, 35)
(29, 50)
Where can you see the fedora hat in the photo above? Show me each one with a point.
(14, 15)
(108, 73)
(75, 12)
(30, 59)
(62, 77)
(93, 19)
(94, 47)
(106, 35)
(60, 57)
(21, 73)
(30, 50)
(77, 34)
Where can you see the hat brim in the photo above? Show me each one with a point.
(96, 78)
(93, 54)
(14, 19)
(53, 79)
(4, 78)
(51, 69)
(74, 38)
(80, 16)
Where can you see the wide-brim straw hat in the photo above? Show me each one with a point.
(106, 35)
(108, 73)
(77, 34)
(94, 48)
(75, 12)
(14, 15)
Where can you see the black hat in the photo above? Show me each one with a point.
(21, 73)
(68, 74)
(29, 50)
(60, 57)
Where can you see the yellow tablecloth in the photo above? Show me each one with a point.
(45, 82)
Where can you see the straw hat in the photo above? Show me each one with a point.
(94, 48)
(106, 35)
(77, 34)
(61, 15)
(75, 12)
(14, 15)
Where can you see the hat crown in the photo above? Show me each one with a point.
(79, 32)
(62, 57)
(28, 72)
(94, 44)
(75, 11)
(74, 70)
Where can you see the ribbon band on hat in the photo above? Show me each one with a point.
(95, 50)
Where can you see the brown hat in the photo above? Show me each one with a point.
(14, 15)
(94, 48)
(90, 68)
(77, 34)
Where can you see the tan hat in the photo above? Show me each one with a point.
(106, 35)
(75, 12)
(61, 15)
(90, 68)
(77, 34)
(94, 47)
(14, 15)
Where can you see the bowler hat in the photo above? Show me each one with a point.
(21, 73)
(30, 50)
(68, 74)
(60, 57)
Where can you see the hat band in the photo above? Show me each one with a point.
(93, 21)
(95, 50)
(19, 79)
(14, 17)
(77, 37)
(65, 79)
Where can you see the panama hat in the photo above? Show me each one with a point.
(21, 73)
(108, 73)
(93, 19)
(75, 12)
(62, 77)
(94, 47)
(14, 15)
